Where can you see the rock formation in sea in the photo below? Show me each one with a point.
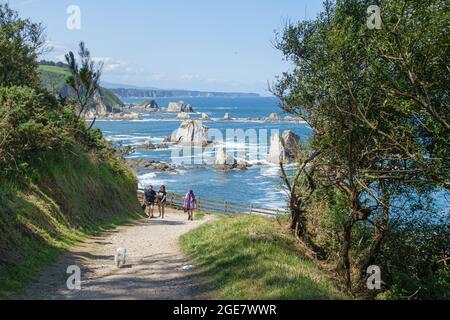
(273, 118)
(183, 116)
(142, 165)
(227, 116)
(205, 116)
(147, 146)
(150, 104)
(225, 161)
(98, 109)
(283, 149)
(124, 116)
(179, 106)
(191, 132)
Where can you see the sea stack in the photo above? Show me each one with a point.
(180, 106)
(283, 149)
(225, 161)
(150, 105)
(183, 116)
(191, 132)
(273, 118)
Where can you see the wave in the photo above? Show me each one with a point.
(153, 179)
(259, 183)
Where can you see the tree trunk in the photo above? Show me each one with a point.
(298, 219)
(92, 123)
(380, 233)
(344, 267)
(295, 218)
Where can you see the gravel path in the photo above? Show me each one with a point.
(154, 269)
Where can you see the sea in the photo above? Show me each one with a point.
(260, 185)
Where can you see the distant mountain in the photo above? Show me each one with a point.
(175, 93)
(110, 85)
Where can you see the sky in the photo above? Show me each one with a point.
(215, 45)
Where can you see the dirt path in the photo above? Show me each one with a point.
(154, 269)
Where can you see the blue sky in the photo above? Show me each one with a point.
(220, 45)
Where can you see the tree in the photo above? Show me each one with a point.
(21, 41)
(377, 108)
(84, 79)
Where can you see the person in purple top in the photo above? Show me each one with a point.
(190, 204)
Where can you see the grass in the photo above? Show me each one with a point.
(41, 218)
(199, 215)
(254, 258)
(54, 69)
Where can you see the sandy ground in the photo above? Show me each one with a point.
(153, 272)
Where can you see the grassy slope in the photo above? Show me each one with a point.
(254, 258)
(54, 69)
(73, 198)
(53, 78)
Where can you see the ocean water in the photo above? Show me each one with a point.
(260, 185)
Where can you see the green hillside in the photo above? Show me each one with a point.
(60, 180)
(53, 78)
(256, 258)
(59, 183)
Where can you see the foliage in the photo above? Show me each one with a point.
(377, 103)
(84, 79)
(416, 254)
(60, 181)
(20, 43)
(32, 123)
(71, 197)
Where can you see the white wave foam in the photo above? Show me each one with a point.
(270, 171)
(153, 179)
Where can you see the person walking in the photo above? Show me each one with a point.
(150, 197)
(190, 204)
(162, 200)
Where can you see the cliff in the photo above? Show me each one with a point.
(53, 78)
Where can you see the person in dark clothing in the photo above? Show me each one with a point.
(162, 200)
(150, 198)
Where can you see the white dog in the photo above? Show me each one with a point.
(121, 257)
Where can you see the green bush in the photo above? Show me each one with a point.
(415, 258)
(32, 123)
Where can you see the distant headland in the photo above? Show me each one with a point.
(126, 91)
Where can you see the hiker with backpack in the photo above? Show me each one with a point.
(190, 204)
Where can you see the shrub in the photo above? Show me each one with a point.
(31, 124)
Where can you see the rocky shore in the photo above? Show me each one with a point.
(150, 165)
